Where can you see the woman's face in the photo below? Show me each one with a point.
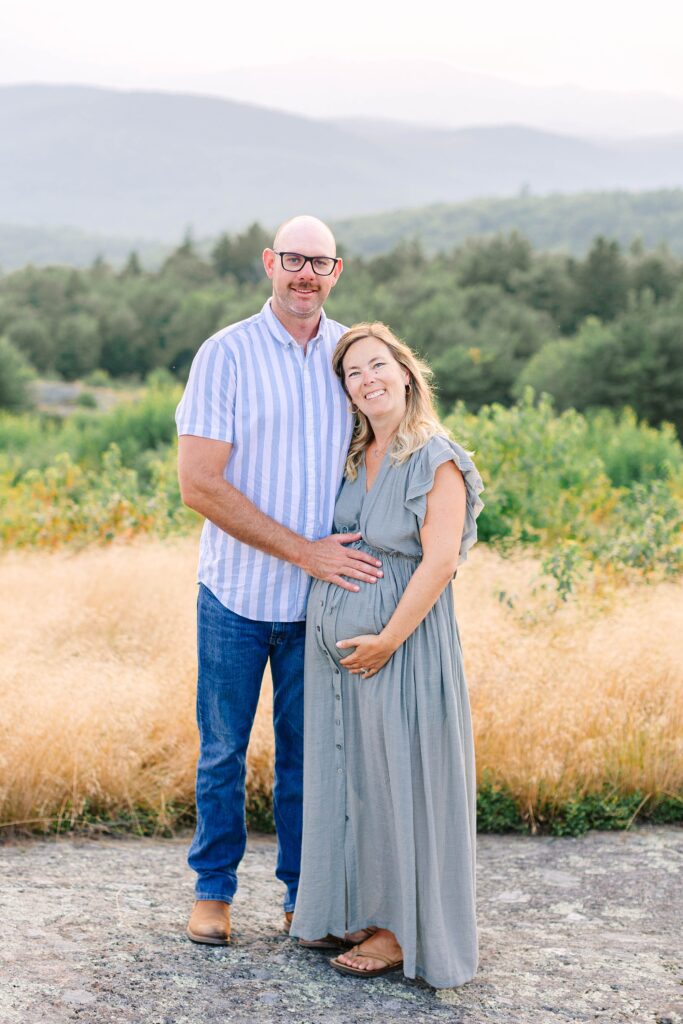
(375, 381)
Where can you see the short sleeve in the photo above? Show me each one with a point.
(207, 408)
(421, 480)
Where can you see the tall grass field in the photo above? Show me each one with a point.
(577, 705)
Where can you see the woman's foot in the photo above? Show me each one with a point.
(382, 942)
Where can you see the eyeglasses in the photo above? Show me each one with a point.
(294, 261)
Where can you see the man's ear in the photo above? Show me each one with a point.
(337, 271)
(268, 261)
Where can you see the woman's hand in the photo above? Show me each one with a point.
(371, 653)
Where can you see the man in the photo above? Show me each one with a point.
(263, 431)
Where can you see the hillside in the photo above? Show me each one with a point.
(151, 164)
(553, 222)
(556, 222)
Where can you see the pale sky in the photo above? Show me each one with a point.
(598, 44)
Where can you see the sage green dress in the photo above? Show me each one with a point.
(389, 784)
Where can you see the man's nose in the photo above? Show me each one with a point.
(307, 272)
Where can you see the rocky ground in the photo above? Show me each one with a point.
(570, 930)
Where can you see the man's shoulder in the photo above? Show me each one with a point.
(230, 336)
(334, 330)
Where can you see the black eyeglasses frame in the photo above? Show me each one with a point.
(307, 259)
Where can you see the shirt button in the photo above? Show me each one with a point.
(337, 721)
(340, 771)
(337, 696)
(339, 746)
(318, 628)
(336, 671)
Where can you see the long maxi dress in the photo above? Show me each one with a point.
(389, 784)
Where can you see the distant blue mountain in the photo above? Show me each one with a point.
(152, 164)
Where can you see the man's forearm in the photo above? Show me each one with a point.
(232, 512)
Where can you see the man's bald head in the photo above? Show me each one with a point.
(305, 234)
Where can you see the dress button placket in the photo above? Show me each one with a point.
(338, 725)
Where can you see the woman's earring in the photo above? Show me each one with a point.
(353, 409)
(408, 388)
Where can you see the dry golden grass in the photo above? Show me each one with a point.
(98, 674)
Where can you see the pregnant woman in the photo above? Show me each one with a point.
(389, 785)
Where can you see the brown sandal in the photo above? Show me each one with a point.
(391, 965)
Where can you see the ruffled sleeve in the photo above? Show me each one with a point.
(421, 480)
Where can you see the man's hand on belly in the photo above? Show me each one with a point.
(328, 559)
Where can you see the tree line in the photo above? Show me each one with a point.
(491, 316)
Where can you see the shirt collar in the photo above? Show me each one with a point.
(280, 332)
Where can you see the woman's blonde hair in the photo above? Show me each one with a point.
(420, 421)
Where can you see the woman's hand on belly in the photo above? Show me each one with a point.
(372, 652)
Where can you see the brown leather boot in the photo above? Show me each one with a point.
(210, 923)
(287, 923)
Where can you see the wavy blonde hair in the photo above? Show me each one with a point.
(420, 420)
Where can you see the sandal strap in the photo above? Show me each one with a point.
(372, 956)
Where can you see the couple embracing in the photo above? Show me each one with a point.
(337, 510)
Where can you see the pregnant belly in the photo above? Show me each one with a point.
(346, 614)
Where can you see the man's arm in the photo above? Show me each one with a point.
(201, 464)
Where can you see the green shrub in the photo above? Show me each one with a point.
(541, 475)
(86, 400)
(98, 378)
(16, 374)
(135, 427)
(632, 451)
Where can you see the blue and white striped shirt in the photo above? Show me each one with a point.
(287, 417)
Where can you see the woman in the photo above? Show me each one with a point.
(389, 786)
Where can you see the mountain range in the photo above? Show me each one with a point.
(151, 164)
(441, 94)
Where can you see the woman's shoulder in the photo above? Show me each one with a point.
(440, 448)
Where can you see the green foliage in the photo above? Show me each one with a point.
(259, 812)
(65, 504)
(565, 563)
(554, 222)
(241, 256)
(602, 281)
(503, 334)
(86, 400)
(608, 809)
(497, 810)
(492, 316)
(493, 260)
(546, 476)
(78, 345)
(137, 428)
(645, 531)
(631, 450)
(97, 379)
(29, 334)
(637, 360)
(547, 484)
(541, 476)
(15, 377)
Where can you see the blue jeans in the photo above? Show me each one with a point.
(233, 652)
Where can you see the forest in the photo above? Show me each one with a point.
(492, 316)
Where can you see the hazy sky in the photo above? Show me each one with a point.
(621, 46)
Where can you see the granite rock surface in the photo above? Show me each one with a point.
(586, 929)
